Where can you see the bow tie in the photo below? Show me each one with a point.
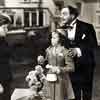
(66, 27)
(69, 27)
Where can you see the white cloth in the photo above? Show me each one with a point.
(79, 53)
(71, 32)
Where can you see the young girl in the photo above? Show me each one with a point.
(59, 65)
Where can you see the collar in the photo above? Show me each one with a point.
(73, 23)
(56, 46)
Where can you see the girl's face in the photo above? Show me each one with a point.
(54, 39)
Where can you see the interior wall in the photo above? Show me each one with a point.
(91, 14)
(88, 12)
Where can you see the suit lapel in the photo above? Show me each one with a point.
(78, 31)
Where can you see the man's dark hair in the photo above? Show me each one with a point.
(73, 10)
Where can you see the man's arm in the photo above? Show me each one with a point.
(88, 43)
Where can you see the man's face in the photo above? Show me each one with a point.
(66, 17)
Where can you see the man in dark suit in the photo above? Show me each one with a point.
(82, 37)
(5, 53)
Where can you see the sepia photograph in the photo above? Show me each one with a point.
(49, 49)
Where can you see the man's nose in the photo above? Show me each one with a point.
(61, 16)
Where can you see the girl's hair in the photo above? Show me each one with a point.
(62, 38)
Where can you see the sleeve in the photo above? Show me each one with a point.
(47, 54)
(69, 63)
(87, 46)
(46, 57)
(92, 37)
(46, 61)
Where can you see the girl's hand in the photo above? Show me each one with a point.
(55, 69)
(48, 66)
(58, 70)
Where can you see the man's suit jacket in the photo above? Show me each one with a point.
(85, 39)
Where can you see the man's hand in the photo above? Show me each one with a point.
(1, 89)
(72, 52)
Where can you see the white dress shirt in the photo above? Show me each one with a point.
(71, 32)
(71, 36)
